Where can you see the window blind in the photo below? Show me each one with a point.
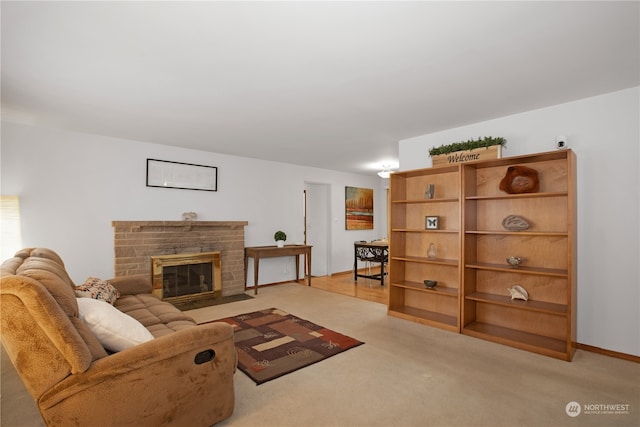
(10, 234)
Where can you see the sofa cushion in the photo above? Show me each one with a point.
(115, 330)
(89, 338)
(159, 317)
(52, 276)
(47, 253)
(132, 285)
(97, 289)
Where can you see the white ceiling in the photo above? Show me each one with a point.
(333, 85)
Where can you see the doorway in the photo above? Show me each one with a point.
(317, 225)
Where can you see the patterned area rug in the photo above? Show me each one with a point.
(272, 343)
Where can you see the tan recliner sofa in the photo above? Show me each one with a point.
(182, 376)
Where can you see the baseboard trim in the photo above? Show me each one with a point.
(610, 353)
(342, 273)
(265, 285)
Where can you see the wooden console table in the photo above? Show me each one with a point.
(257, 252)
(370, 252)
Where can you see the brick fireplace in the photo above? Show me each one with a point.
(135, 242)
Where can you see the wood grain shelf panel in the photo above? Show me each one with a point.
(425, 260)
(519, 196)
(506, 301)
(443, 200)
(519, 339)
(422, 230)
(518, 233)
(418, 173)
(521, 270)
(417, 286)
(424, 316)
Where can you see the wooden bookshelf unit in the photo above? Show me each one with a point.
(410, 239)
(472, 246)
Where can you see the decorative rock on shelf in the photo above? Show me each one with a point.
(518, 292)
(515, 223)
(430, 191)
(520, 179)
(431, 252)
(514, 261)
(430, 284)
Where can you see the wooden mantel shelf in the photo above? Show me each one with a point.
(137, 226)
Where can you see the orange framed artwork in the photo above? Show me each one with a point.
(358, 208)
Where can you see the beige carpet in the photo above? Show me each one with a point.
(406, 375)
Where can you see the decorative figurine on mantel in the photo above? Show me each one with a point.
(189, 216)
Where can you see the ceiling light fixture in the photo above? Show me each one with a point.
(385, 172)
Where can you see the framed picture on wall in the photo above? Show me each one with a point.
(358, 208)
(185, 176)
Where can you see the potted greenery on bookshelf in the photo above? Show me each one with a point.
(280, 237)
(466, 151)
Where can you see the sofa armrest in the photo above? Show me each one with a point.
(132, 285)
(165, 378)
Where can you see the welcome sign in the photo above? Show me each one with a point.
(482, 153)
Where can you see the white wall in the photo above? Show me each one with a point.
(604, 133)
(72, 185)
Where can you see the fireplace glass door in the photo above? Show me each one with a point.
(179, 280)
(183, 276)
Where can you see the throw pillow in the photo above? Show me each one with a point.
(97, 289)
(115, 330)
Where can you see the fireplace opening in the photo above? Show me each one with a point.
(187, 276)
(179, 280)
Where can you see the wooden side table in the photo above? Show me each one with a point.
(257, 252)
